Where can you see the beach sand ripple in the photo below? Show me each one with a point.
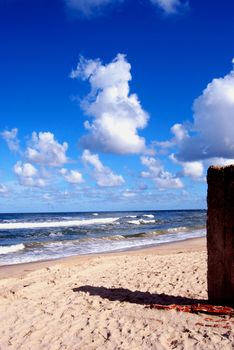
(99, 302)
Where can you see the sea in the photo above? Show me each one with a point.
(46, 236)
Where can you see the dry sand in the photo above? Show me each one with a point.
(99, 302)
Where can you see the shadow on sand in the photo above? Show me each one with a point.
(136, 297)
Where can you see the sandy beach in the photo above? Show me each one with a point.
(100, 302)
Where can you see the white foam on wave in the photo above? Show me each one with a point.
(11, 248)
(56, 250)
(56, 234)
(131, 216)
(46, 224)
(95, 214)
(151, 216)
(141, 222)
(178, 229)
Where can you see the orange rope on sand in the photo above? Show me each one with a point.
(195, 308)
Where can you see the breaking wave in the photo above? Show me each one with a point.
(141, 222)
(47, 224)
(11, 248)
(45, 236)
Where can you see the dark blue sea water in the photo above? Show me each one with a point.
(34, 237)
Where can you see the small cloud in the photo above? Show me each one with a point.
(194, 169)
(45, 150)
(170, 6)
(164, 144)
(162, 178)
(116, 114)
(47, 197)
(10, 136)
(180, 133)
(28, 175)
(129, 193)
(103, 175)
(72, 176)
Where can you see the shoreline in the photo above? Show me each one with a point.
(22, 269)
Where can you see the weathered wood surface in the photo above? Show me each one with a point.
(220, 235)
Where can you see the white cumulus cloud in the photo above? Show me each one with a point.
(45, 150)
(194, 169)
(10, 136)
(25, 170)
(213, 127)
(72, 176)
(162, 178)
(28, 175)
(180, 132)
(116, 115)
(103, 175)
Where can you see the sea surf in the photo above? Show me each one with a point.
(46, 236)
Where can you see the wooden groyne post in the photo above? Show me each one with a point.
(220, 235)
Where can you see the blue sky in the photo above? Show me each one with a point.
(113, 104)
